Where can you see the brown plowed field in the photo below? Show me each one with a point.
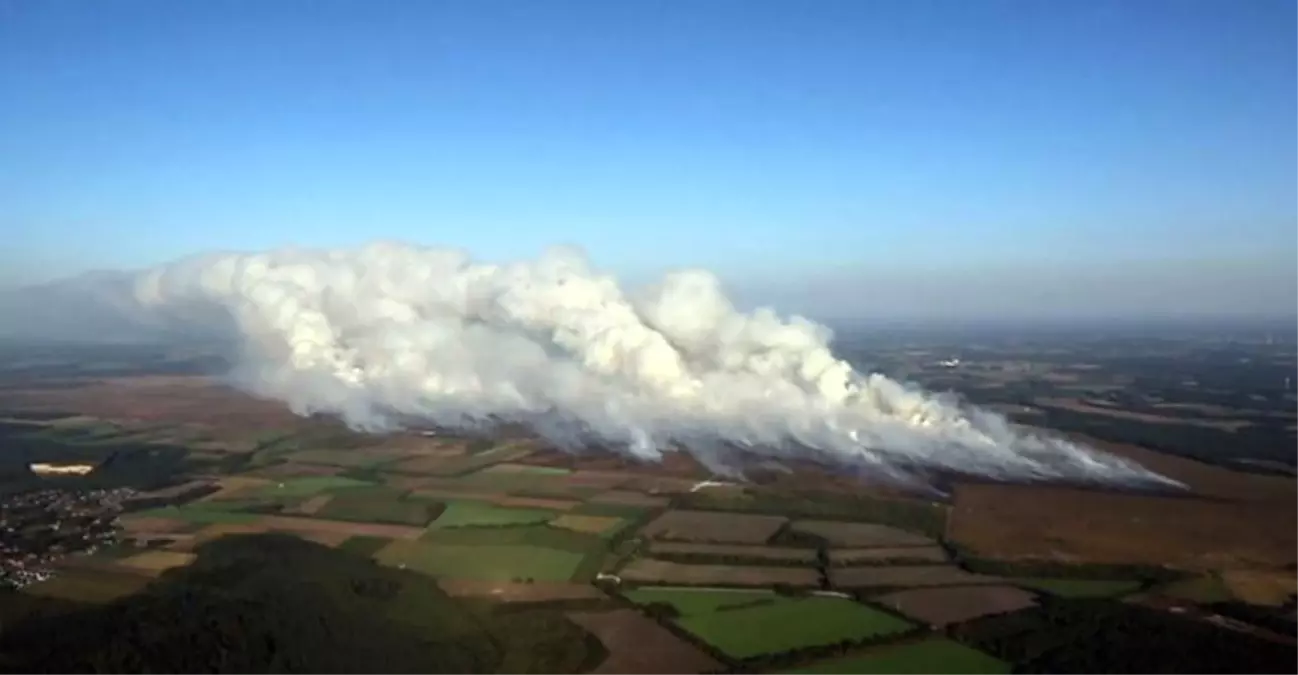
(714, 526)
(797, 555)
(859, 534)
(636, 644)
(663, 572)
(1076, 525)
(909, 575)
(940, 607)
(504, 591)
(871, 556)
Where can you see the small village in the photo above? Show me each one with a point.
(39, 528)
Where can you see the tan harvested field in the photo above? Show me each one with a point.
(714, 526)
(586, 524)
(636, 644)
(508, 591)
(629, 498)
(909, 575)
(940, 607)
(1074, 525)
(310, 525)
(536, 503)
(157, 562)
(780, 553)
(869, 556)
(646, 570)
(152, 525)
(311, 506)
(1261, 587)
(859, 534)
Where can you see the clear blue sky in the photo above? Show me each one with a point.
(852, 148)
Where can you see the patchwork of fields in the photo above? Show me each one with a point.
(667, 576)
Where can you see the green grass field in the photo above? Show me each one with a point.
(588, 547)
(489, 562)
(483, 514)
(789, 623)
(696, 601)
(1080, 588)
(199, 512)
(377, 504)
(930, 656)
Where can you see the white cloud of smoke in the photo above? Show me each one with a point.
(390, 334)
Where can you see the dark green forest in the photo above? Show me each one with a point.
(274, 603)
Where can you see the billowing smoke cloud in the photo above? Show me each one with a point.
(388, 334)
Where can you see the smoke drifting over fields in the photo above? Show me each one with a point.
(391, 334)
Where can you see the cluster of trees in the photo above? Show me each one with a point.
(274, 603)
(1148, 575)
(1107, 636)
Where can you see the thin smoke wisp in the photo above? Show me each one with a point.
(388, 334)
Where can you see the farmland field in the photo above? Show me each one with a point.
(942, 606)
(636, 644)
(917, 575)
(690, 600)
(195, 513)
(665, 572)
(488, 562)
(158, 561)
(89, 585)
(1080, 588)
(480, 514)
(308, 486)
(871, 556)
(377, 505)
(859, 534)
(752, 552)
(788, 624)
(601, 525)
(713, 526)
(930, 656)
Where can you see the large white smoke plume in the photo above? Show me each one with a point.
(389, 333)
